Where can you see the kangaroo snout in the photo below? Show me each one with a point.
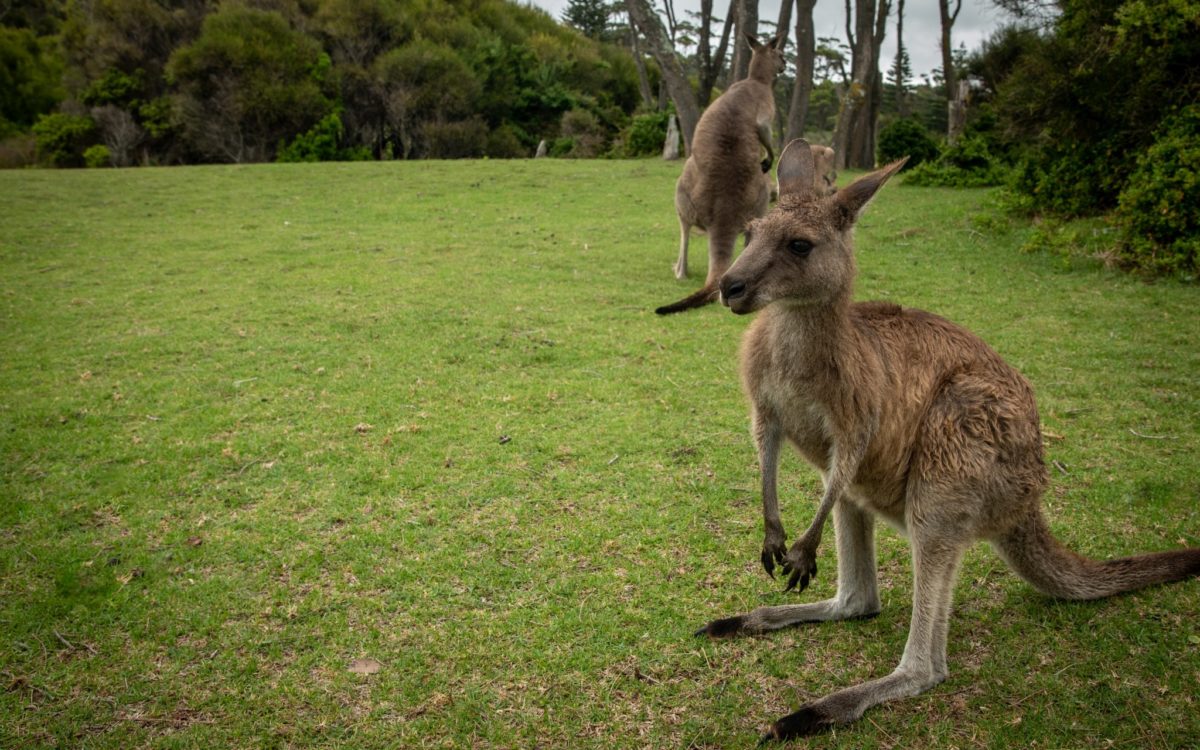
(732, 290)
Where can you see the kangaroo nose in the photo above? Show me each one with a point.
(732, 288)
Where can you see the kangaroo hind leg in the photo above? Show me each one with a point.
(935, 567)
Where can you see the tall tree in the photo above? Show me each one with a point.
(711, 63)
(806, 51)
(854, 136)
(661, 49)
(589, 16)
(948, 18)
(901, 69)
(746, 23)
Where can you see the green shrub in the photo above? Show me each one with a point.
(647, 134)
(906, 138)
(1158, 211)
(97, 156)
(967, 163)
(321, 143)
(62, 138)
(455, 140)
(505, 143)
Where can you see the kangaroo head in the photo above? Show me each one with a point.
(802, 252)
(766, 60)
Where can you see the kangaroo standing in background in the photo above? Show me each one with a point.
(907, 416)
(722, 186)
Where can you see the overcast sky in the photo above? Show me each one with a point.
(921, 25)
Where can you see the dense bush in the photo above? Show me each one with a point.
(185, 82)
(30, 72)
(465, 139)
(906, 138)
(967, 163)
(1082, 100)
(97, 156)
(248, 81)
(646, 134)
(62, 138)
(322, 142)
(1159, 209)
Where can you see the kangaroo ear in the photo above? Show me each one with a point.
(796, 169)
(852, 199)
(778, 42)
(752, 40)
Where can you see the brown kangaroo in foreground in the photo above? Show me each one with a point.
(907, 416)
(722, 186)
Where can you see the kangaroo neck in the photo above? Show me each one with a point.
(760, 74)
(818, 334)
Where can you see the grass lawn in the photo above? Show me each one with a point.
(397, 455)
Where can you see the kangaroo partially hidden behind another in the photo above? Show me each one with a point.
(908, 417)
(722, 186)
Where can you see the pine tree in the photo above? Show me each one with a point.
(589, 16)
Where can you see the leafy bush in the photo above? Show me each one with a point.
(98, 156)
(585, 133)
(906, 138)
(321, 143)
(1157, 211)
(505, 143)
(465, 139)
(646, 134)
(62, 138)
(967, 163)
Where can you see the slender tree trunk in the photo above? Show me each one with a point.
(747, 23)
(948, 19)
(711, 69)
(645, 19)
(854, 136)
(901, 84)
(806, 52)
(643, 76)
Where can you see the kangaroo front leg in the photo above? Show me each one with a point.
(768, 438)
(935, 566)
(764, 137)
(857, 587)
(801, 559)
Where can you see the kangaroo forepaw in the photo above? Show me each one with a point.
(806, 720)
(774, 550)
(724, 627)
(801, 563)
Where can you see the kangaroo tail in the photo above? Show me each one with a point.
(1033, 552)
(697, 299)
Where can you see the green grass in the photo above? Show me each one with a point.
(259, 422)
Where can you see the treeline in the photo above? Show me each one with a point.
(127, 82)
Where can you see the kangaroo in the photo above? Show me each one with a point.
(908, 417)
(722, 186)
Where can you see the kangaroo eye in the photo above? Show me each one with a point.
(799, 247)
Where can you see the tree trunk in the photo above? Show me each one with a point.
(806, 46)
(854, 136)
(645, 19)
(711, 69)
(747, 23)
(948, 19)
(901, 83)
(643, 76)
(957, 111)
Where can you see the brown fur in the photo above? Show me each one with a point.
(908, 417)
